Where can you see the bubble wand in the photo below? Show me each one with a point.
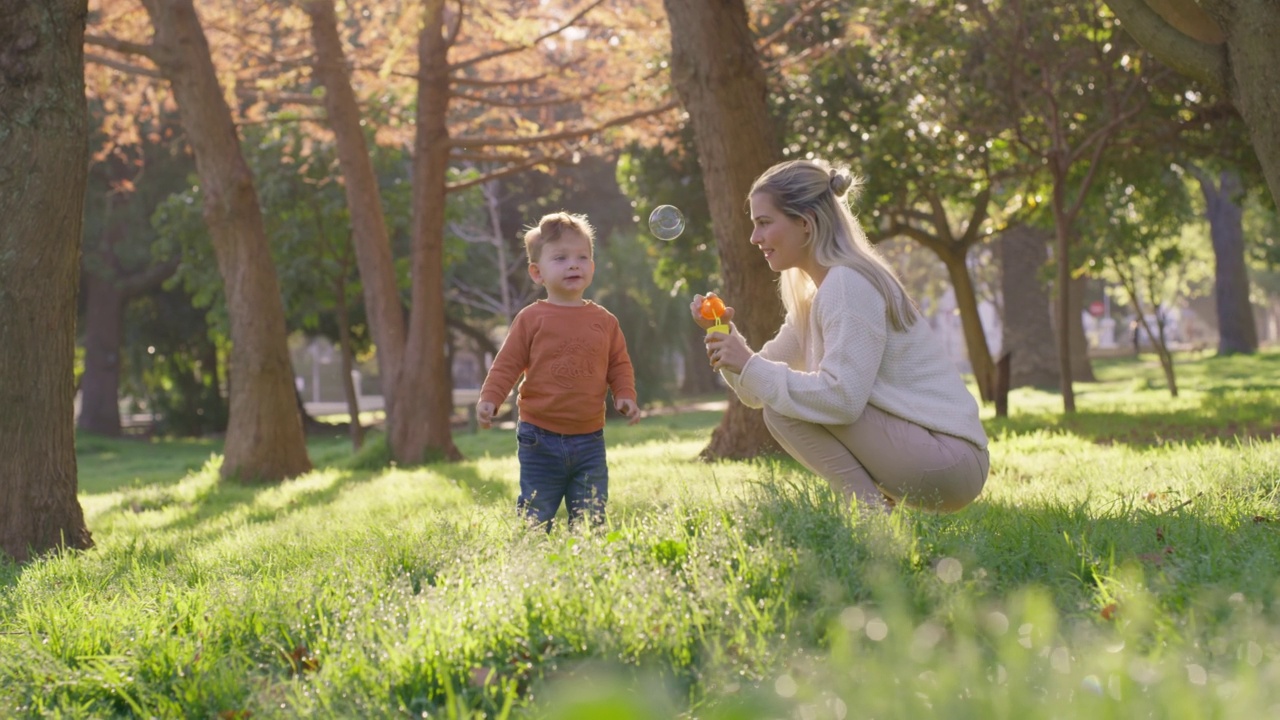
(712, 308)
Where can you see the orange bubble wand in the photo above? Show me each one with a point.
(712, 308)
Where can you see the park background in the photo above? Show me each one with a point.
(297, 211)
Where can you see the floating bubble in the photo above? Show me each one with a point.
(666, 222)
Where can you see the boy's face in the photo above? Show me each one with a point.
(564, 268)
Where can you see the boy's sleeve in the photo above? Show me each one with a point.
(511, 362)
(621, 375)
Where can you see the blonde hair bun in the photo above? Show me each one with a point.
(840, 182)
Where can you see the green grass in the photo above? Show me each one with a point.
(1121, 563)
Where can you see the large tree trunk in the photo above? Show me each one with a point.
(43, 172)
(368, 223)
(1230, 46)
(721, 83)
(1254, 59)
(1237, 332)
(264, 439)
(1028, 322)
(420, 431)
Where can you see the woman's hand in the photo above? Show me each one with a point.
(695, 309)
(728, 352)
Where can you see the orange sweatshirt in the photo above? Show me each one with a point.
(569, 356)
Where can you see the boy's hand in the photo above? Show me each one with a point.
(629, 408)
(484, 414)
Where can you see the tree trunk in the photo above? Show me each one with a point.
(1062, 305)
(1239, 57)
(103, 337)
(420, 431)
(368, 223)
(1254, 59)
(107, 294)
(1028, 321)
(1237, 332)
(975, 337)
(348, 361)
(721, 83)
(43, 173)
(1081, 365)
(264, 439)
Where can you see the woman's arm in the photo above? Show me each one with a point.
(785, 348)
(849, 316)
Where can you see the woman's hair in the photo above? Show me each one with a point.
(552, 227)
(815, 191)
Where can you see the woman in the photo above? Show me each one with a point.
(854, 385)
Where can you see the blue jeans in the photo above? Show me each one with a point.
(555, 468)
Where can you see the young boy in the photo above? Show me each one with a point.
(570, 351)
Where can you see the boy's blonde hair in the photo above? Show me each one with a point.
(553, 227)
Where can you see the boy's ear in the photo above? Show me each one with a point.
(534, 273)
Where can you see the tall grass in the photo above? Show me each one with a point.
(1121, 563)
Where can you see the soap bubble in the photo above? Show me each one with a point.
(666, 222)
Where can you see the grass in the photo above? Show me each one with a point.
(1121, 563)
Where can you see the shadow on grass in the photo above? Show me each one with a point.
(1190, 552)
(1223, 415)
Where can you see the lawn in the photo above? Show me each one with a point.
(1121, 563)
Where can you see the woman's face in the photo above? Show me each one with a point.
(783, 239)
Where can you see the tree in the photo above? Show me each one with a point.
(1027, 330)
(43, 162)
(1224, 197)
(1070, 86)
(1139, 239)
(520, 91)
(1227, 45)
(368, 223)
(717, 72)
(264, 439)
(117, 267)
(888, 101)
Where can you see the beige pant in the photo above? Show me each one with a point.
(882, 460)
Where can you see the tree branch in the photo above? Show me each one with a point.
(931, 242)
(283, 98)
(479, 83)
(515, 141)
(148, 279)
(507, 171)
(1198, 60)
(532, 43)
(124, 47)
(800, 14)
(541, 102)
(978, 217)
(124, 67)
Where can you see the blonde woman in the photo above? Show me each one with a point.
(854, 385)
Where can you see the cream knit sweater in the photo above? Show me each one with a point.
(853, 357)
